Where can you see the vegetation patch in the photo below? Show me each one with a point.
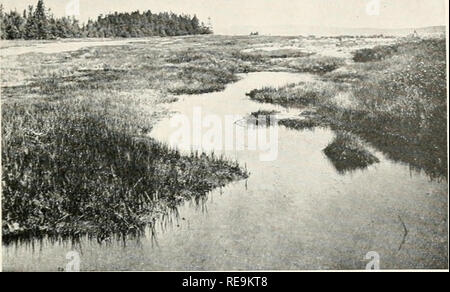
(75, 169)
(40, 24)
(295, 95)
(197, 80)
(344, 77)
(304, 123)
(76, 159)
(274, 54)
(186, 57)
(248, 57)
(347, 153)
(377, 53)
(315, 65)
(397, 104)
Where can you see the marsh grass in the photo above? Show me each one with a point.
(397, 103)
(304, 123)
(58, 86)
(197, 80)
(348, 153)
(377, 53)
(70, 171)
(76, 161)
(294, 95)
(348, 77)
(288, 60)
(261, 55)
(75, 157)
(186, 57)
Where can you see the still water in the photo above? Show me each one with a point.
(294, 212)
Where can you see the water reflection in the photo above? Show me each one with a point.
(421, 144)
(348, 153)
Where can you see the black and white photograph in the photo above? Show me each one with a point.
(224, 136)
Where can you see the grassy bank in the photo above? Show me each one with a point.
(393, 97)
(71, 170)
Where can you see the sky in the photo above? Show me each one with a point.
(240, 16)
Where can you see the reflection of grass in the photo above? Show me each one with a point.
(348, 153)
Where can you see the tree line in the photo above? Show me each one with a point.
(39, 23)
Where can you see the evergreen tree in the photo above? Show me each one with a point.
(41, 21)
(30, 27)
(41, 24)
(2, 23)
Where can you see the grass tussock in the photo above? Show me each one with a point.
(293, 95)
(347, 153)
(263, 118)
(260, 54)
(377, 53)
(398, 103)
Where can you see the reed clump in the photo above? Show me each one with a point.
(347, 153)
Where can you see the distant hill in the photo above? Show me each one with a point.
(432, 30)
(330, 31)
